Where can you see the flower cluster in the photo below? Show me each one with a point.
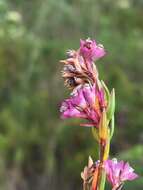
(91, 100)
(86, 102)
(79, 66)
(118, 172)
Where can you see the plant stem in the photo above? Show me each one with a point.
(104, 153)
(102, 180)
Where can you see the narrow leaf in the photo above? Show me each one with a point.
(106, 90)
(111, 105)
(112, 127)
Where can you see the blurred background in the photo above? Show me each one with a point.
(38, 150)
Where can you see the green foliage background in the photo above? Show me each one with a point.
(38, 150)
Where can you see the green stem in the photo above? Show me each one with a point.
(102, 180)
(102, 175)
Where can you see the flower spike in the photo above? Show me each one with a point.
(91, 100)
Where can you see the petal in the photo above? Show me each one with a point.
(68, 110)
(89, 94)
(128, 173)
(99, 51)
(90, 50)
(79, 100)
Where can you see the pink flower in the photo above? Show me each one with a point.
(87, 102)
(90, 50)
(118, 172)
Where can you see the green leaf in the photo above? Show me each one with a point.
(106, 90)
(112, 127)
(111, 105)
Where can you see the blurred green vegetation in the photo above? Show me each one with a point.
(37, 149)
